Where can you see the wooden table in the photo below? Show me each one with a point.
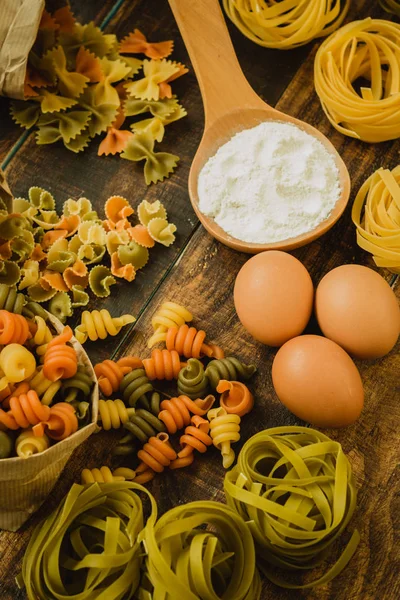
(199, 272)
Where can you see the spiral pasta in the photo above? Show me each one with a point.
(60, 360)
(143, 425)
(365, 49)
(43, 334)
(113, 414)
(224, 430)
(100, 324)
(285, 25)
(25, 410)
(296, 486)
(189, 342)
(78, 386)
(163, 364)
(105, 475)
(176, 412)
(170, 314)
(157, 453)
(110, 373)
(6, 444)
(376, 214)
(14, 329)
(195, 438)
(17, 363)
(28, 444)
(192, 380)
(134, 386)
(229, 368)
(61, 423)
(10, 300)
(236, 398)
(45, 389)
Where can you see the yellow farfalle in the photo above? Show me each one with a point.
(113, 71)
(70, 84)
(155, 72)
(91, 233)
(161, 231)
(77, 207)
(51, 102)
(30, 274)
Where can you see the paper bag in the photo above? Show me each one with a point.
(19, 24)
(26, 482)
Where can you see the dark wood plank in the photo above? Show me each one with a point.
(202, 278)
(10, 132)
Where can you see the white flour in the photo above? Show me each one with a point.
(269, 183)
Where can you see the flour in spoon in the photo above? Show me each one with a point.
(269, 183)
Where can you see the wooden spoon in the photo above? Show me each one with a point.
(230, 106)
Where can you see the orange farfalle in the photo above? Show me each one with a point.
(116, 208)
(65, 19)
(115, 141)
(38, 254)
(127, 272)
(52, 236)
(60, 360)
(5, 250)
(14, 329)
(35, 78)
(29, 92)
(165, 88)
(119, 119)
(54, 281)
(70, 224)
(141, 236)
(48, 22)
(118, 226)
(136, 43)
(89, 65)
(76, 275)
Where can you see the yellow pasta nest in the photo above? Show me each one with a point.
(367, 50)
(376, 214)
(100, 324)
(285, 25)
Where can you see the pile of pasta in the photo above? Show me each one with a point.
(391, 6)
(97, 544)
(45, 394)
(285, 25)
(55, 259)
(81, 83)
(201, 371)
(376, 214)
(361, 51)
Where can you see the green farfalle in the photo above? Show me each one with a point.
(38, 234)
(134, 64)
(158, 108)
(64, 260)
(24, 208)
(10, 272)
(25, 114)
(79, 143)
(22, 246)
(91, 254)
(13, 226)
(70, 124)
(79, 296)
(91, 216)
(56, 248)
(89, 36)
(150, 210)
(41, 198)
(153, 126)
(46, 219)
(74, 243)
(38, 294)
(100, 281)
(133, 254)
(158, 165)
(47, 135)
(51, 102)
(77, 207)
(30, 274)
(70, 84)
(102, 114)
(60, 306)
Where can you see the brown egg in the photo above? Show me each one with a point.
(273, 297)
(317, 380)
(357, 309)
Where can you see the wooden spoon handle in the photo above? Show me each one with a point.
(222, 83)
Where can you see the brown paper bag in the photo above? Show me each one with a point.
(25, 482)
(19, 24)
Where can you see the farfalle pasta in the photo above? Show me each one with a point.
(77, 81)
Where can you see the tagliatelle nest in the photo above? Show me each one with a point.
(81, 83)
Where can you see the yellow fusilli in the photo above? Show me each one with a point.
(100, 324)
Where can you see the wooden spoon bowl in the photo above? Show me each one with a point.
(231, 106)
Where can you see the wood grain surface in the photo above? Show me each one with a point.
(200, 273)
